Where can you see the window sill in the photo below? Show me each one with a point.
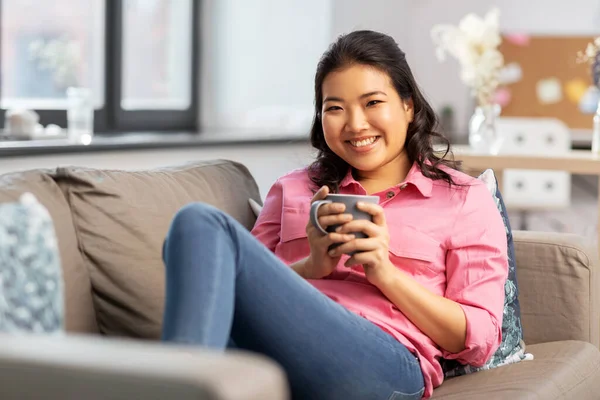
(146, 140)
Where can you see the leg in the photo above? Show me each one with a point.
(220, 274)
(200, 278)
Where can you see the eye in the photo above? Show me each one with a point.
(373, 103)
(333, 108)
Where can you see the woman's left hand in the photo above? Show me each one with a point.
(372, 252)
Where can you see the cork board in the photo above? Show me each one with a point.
(552, 83)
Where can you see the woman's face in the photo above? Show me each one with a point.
(364, 119)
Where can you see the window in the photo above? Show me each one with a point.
(49, 46)
(157, 61)
(138, 57)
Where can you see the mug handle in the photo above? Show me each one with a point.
(314, 210)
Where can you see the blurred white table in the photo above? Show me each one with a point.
(581, 162)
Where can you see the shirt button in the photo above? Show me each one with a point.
(403, 186)
(390, 194)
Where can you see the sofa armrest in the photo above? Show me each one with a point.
(558, 283)
(77, 367)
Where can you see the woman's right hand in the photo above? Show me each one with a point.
(319, 264)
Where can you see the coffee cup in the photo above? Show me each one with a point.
(350, 201)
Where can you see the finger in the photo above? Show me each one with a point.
(338, 238)
(360, 225)
(328, 239)
(335, 219)
(375, 210)
(360, 245)
(321, 194)
(360, 259)
(327, 209)
(331, 208)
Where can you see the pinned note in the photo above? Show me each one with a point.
(575, 89)
(549, 91)
(518, 39)
(511, 73)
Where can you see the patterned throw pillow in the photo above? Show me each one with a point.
(512, 347)
(31, 297)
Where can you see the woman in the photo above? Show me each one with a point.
(426, 283)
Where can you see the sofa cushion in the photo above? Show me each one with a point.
(560, 370)
(79, 310)
(121, 219)
(558, 282)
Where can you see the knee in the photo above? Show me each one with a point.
(196, 216)
(191, 222)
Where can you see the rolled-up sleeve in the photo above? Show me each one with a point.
(476, 270)
(268, 224)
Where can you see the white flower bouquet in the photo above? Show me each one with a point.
(474, 44)
(592, 57)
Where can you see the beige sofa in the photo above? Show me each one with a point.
(110, 226)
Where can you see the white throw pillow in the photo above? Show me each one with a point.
(256, 208)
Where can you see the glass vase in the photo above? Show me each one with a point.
(596, 132)
(483, 131)
(80, 115)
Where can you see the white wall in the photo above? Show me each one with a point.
(259, 59)
(265, 162)
(388, 16)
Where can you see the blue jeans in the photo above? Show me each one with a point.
(222, 284)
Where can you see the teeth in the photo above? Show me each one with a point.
(364, 142)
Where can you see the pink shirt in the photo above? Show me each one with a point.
(450, 240)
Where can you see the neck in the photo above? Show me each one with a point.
(384, 177)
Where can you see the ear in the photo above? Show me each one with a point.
(409, 108)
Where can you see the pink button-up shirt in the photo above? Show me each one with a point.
(451, 240)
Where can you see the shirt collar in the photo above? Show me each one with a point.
(414, 177)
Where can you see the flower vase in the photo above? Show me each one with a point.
(483, 132)
(596, 131)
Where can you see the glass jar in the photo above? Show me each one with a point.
(80, 115)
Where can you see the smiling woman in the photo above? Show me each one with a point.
(370, 317)
(362, 95)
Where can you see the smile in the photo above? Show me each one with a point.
(363, 142)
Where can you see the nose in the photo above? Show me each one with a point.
(357, 121)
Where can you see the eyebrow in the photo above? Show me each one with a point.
(362, 96)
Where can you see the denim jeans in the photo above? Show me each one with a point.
(222, 284)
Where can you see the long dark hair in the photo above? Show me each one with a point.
(382, 52)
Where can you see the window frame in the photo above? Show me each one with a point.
(112, 118)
